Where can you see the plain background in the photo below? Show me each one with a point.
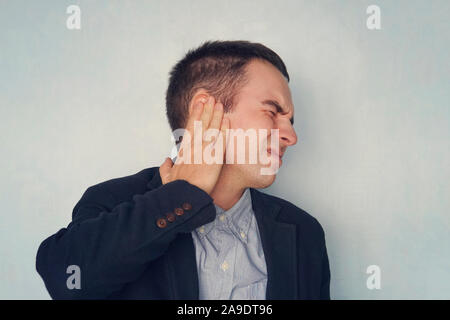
(371, 112)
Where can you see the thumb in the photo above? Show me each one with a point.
(164, 169)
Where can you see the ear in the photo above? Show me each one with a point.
(201, 95)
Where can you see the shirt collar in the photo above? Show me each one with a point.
(237, 218)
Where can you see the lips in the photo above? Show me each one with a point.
(275, 153)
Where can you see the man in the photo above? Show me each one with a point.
(195, 229)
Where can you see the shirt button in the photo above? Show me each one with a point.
(201, 229)
(186, 206)
(170, 217)
(242, 234)
(162, 223)
(222, 217)
(224, 266)
(179, 211)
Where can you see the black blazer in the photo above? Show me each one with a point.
(124, 250)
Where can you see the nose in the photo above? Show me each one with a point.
(288, 136)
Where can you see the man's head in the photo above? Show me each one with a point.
(217, 67)
(250, 80)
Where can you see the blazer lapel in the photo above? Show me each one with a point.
(183, 268)
(279, 245)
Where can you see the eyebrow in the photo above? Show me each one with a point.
(277, 106)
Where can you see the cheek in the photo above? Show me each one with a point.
(255, 121)
(238, 122)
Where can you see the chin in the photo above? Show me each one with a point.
(257, 180)
(264, 183)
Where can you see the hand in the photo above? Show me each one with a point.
(202, 175)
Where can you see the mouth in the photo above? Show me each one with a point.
(274, 153)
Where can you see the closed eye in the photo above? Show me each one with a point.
(276, 105)
(273, 113)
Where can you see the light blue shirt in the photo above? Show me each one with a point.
(229, 255)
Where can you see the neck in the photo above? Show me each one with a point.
(228, 189)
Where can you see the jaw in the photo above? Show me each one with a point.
(246, 176)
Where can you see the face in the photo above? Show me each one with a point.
(264, 102)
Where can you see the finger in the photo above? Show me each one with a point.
(207, 113)
(216, 120)
(164, 169)
(185, 146)
(195, 114)
(224, 133)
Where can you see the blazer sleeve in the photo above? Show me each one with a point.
(325, 283)
(113, 247)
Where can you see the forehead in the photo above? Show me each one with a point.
(265, 81)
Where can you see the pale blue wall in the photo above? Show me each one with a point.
(372, 115)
